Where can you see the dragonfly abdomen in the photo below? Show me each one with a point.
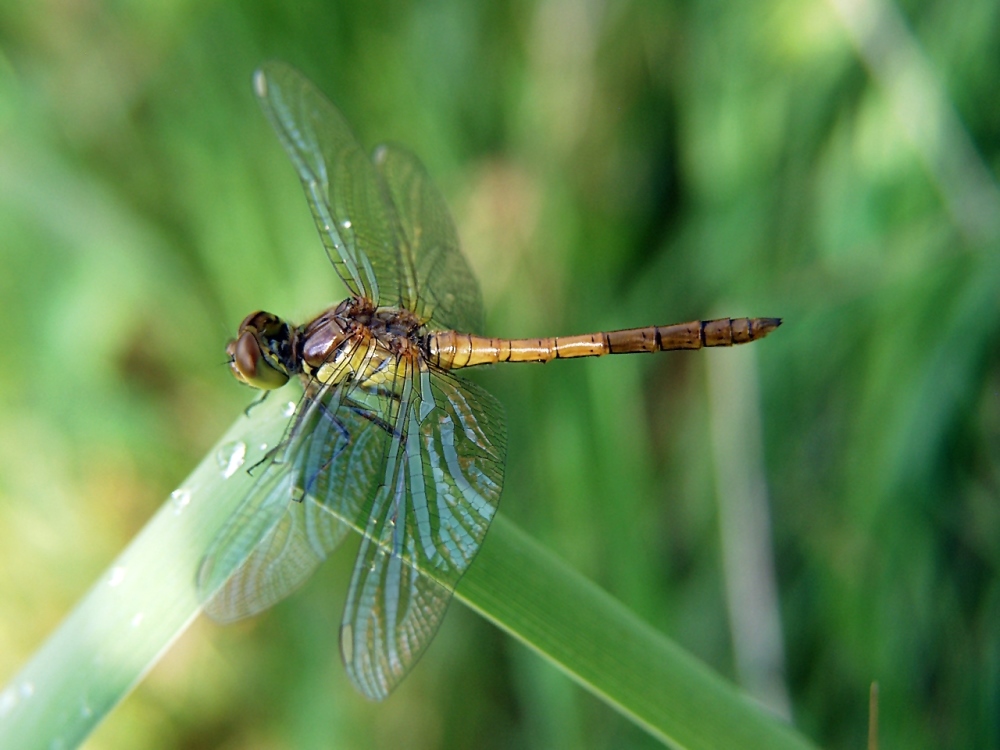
(451, 349)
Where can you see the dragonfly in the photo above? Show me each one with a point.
(387, 437)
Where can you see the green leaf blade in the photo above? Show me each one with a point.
(147, 598)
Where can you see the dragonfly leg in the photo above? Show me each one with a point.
(268, 456)
(342, 442)
(271, 455)
(375, 419)
(365, 413)
(345, 436)
(263, 395)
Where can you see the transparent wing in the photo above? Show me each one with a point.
(330, 462)
(441, 487)
(443, 288)
(348, 201)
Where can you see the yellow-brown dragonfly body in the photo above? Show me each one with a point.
(451, 350)
(359, 341)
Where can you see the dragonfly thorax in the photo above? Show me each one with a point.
(356, 340)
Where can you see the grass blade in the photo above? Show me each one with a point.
(147, 598)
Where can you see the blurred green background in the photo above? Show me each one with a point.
(608, 165)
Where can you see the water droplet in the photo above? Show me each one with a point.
(8, 699)
(346, 223)
(137, 619)
(116, 576)
(289, 409)
(85, 710)
(181, 499)
(27, 689)
(263, 447)
(231, 457)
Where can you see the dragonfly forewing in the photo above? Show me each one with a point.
(343, 189)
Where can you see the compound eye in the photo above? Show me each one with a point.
(250, 365)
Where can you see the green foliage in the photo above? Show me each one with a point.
(608, 166)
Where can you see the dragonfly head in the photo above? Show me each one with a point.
(261, 353)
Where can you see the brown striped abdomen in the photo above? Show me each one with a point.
(451, 349)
